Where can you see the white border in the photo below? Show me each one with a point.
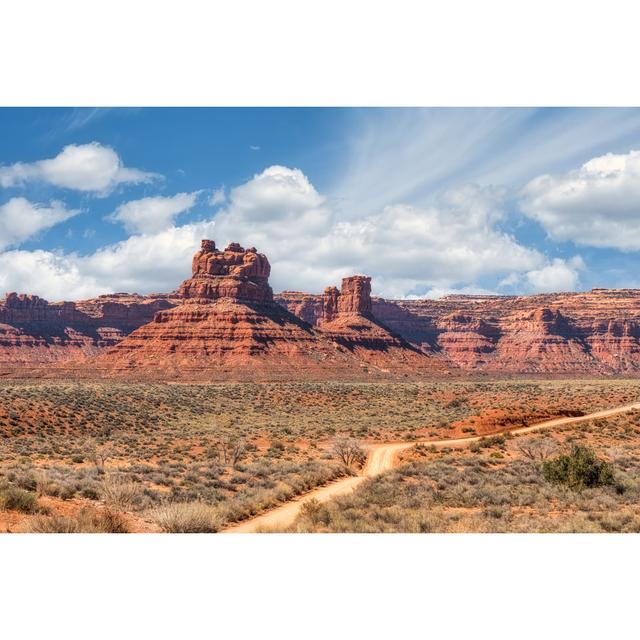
(322, 586)
(334, 52)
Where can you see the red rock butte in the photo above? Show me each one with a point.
(228, 326)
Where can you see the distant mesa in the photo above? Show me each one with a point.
(225, 323)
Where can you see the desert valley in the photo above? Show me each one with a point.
(223, 407)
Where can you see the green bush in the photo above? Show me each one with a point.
(579, 469)
(15, 499)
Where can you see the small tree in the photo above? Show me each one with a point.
(99, 453)
(578, 469)
(349, 452)
(231, 450)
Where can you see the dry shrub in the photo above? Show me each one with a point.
(315, 512)
(45, 486)
(16, 499)
(187, 517)
(85, 521)
(118, 492)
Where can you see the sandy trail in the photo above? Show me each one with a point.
(382, 458)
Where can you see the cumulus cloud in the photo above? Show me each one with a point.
(21, 219)
(51, 275)
(403, 247)
(154, 214)
(560, 275)
(447, 246)
(88, 167)
(141, 263)
(148, 263)
(596, 205)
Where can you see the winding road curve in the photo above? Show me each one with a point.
(382, 458)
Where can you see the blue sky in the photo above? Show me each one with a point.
(427, 201)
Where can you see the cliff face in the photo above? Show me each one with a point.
(34, 331)
(596, 332)
(236, 273)
(355, 296)
(306, 306)
(346, 319)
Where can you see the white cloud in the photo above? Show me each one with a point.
(89, 167)
(448, 246)
(143, 264)
(148, 263)
(596, 205)
(454, 241)
(217, 197)
(51, 275)
(407, 155)
(275, 195)
(21, 219)
(560, 275)
(151, 215)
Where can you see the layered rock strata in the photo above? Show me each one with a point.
(228, 326)
(35, 332)
(346, 319)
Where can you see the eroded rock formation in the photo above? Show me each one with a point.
(347, 320)
(237, 273)
(329, 310)
(228, 326)
(594, 332)
(355, 295)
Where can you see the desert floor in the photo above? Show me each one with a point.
(436, 456)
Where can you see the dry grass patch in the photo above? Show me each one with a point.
(186, 517)
(85, 521)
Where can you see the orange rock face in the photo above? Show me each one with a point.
(224, 322)
(465, 339)
(346, 319)
(595, 332)
(355, 295)
(329, 309)
(305, 306)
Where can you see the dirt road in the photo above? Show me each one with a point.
(382, 458)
